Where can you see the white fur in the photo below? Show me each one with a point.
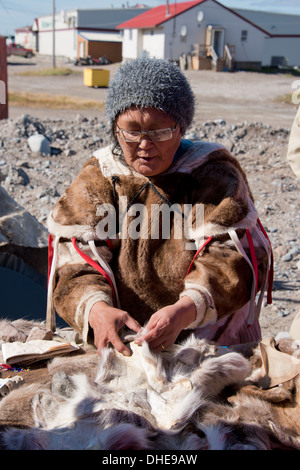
(162, 392)
(161, 401)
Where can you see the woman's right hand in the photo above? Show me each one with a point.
(106, 321)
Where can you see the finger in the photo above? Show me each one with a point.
(118, 344)
(153, 335)
(161, 342)
(157, 342)
(132, 324)
(152, 321)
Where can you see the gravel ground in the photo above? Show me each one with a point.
(238, 110)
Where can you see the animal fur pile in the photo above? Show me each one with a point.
(193, 396)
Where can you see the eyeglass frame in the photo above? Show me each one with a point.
(147, 133)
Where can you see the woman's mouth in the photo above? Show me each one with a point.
(145, 157)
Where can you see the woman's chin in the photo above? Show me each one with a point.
(148, 167)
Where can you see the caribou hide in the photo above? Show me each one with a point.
(195, 395)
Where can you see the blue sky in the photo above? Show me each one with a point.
(17, 13)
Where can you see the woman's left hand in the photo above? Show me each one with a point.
(165, 325)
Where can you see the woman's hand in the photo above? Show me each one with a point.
(106, 321)
(165, 325)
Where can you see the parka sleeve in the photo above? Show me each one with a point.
(220, 279)
(74, 220)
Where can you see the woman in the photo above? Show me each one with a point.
(141, 208)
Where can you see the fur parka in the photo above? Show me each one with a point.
(203, 198)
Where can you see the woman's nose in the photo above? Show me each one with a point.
(145, 141)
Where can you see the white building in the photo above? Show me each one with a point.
(282, 42)
(209, 34)
(25, 37)
(73, 25)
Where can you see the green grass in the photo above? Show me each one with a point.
(49, 72)
(39, 100)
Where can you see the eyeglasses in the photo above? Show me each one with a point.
(157, 135)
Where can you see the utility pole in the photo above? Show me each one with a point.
(53, 36)
(167, 8)
(3, 80)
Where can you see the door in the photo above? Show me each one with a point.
(82, 49)
(215, 36)
(218, 42)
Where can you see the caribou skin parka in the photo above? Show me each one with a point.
(192, 230)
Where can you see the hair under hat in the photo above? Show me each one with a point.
(151, 83)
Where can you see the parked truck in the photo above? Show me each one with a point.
(17, 49)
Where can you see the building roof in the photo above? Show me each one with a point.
(272, 24)
(158, 15)
(276, 24)
(107, 18)
(24, 29)
(103, 19)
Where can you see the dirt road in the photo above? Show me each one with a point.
(234, 97)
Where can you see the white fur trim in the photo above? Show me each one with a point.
(205, 230)
(84, 308)
(203, 302)
(195, 156)
(200, 305)
(82, 232)
(50, 315)
(111, 164)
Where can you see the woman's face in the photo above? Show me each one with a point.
(147, 157)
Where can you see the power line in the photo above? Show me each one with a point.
(4, 7)
(18, 9)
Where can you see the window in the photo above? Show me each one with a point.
(244, 35)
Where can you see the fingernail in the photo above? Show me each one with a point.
(126, 353)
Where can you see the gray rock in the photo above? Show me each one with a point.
(295, 250)
(38, 143)
(18, 227)
(37, 332)
(23, 177)
(287, 257)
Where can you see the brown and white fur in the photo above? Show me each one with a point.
(194, 396)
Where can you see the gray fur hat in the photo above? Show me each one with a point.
(155, 83)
